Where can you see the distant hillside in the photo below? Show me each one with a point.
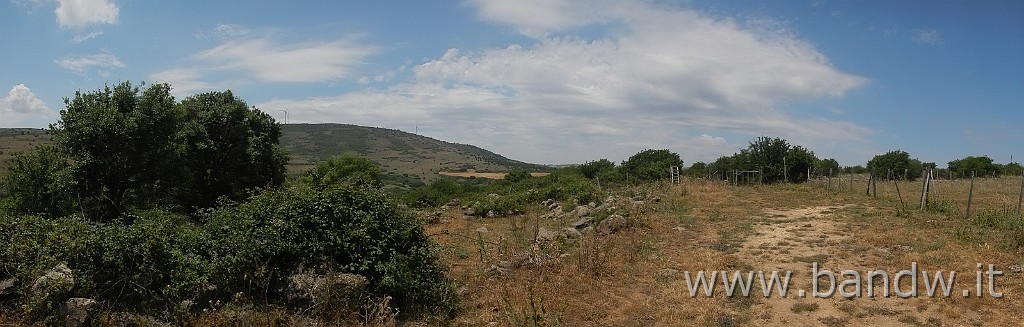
(403, 156)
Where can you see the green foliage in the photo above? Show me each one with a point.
(344, 228)
(650, 165)
(37, 182)
(517, 175)
(697, 169)
(602, 170)
(824, 166)
(767, 154)
(897, 161)
(228, 149)
(774, 157)
(982, 166)
(348, 169)
(128, 148)
(441, 191)
(120, 144)
(799, 161)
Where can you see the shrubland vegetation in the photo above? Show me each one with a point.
(176, 209)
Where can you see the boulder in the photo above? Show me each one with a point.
(79, 311)
(571, 234)
(544, 235)
(583, 222)
(55, 282)
(612, 224)
(482, 230)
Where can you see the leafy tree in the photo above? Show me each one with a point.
(120, 142)
(697, 169)
(650, 165)
(982, 166)
(1012, 168)
(603, 170)
(128, 147)
(345, 169)
(799, 161)
(228, 148)
(897, 161)
(824, 166)
(766, 154)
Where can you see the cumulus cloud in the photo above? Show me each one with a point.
(663, 79)
(101, 62)
(81, 13)
(20, 104)
(927, 37)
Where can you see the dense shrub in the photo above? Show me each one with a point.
(897, 161)
(650, 165)
(344, 228)
(344, 169)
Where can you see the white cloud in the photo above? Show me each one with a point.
(79, 38)
(83, 64)
(928, 37)
(224, 32)
(662, 78)
(21, 104)
(266, 60)
(81, 13)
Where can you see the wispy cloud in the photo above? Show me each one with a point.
(85, 37)
(224, 32)
(81, 13)
(268, 60)
(84, 64)
(927, 37)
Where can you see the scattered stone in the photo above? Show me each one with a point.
(581, 211)
(544, 235)
(55, 282)
(1016, 269)
(612, 224)
(493, 196)
(554, 205)
(571, 233)
(7, 286)
(668, 274)
(679, 228)
(482, 230)
(583, 222)
(462, 291)
(491, 214)
(470, 211)
(79, 311)
(720, 247)
(495, 270)
(592, 205)
(587, 229)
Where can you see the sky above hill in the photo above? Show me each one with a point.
(558, 81)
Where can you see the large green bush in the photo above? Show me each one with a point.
(345, 228)
(650, 165)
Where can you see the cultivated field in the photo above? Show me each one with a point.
(528, 270)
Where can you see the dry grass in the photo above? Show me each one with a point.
(618, 279)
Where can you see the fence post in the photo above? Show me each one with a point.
(1020, 195)
(870, 177)
(924, 190)
(970, 194)
(897, 183)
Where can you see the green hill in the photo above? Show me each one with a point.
(404, 157)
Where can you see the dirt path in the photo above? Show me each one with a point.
(793, 239)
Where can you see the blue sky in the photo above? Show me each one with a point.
(558, 81)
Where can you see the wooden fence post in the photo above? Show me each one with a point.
(970, 195)
(924, 190)
(1020, 196)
